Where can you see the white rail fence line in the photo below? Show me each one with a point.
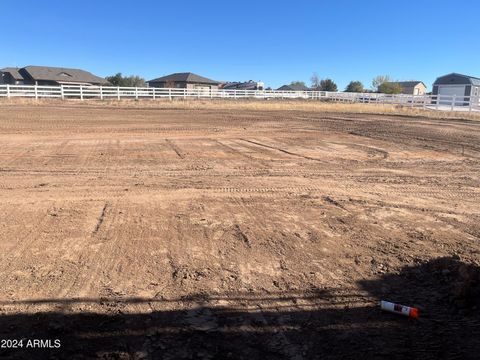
(84, 92)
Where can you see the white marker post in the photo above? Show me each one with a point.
(399, 309)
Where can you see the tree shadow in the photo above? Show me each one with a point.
(288, 325)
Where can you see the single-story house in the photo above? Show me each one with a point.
(247, 85)
(10, 76)
(294, 87)
(411, 87)
(458, 85)
(46, 75)
(184, 81)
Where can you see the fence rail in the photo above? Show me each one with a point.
(84, 92)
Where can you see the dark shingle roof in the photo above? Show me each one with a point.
(14, 72)
(407, 83)
(58, 74)
(185, 77)
(294, 87)
(473, 80)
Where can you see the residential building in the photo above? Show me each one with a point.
(46, 75)
(411, 87)
(184, 80)
(294, 87)
(11, 76)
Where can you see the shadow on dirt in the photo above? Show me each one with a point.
(316, 325)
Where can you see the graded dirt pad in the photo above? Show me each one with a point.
(222, 234)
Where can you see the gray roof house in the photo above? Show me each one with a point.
(10, 76)
(459, 86)
(185, 80)
(46, 75)
(411, 87)
(294, 87)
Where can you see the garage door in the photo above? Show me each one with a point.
(449, 92)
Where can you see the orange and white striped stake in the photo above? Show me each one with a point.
(399, 309)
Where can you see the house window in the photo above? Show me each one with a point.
(476, 91)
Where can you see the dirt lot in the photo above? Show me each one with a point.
(132, 233)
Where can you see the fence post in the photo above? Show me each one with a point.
(118, 92)
(470, 103)
(153, 94)
(8, 90)
(101, 92)
(170, 94)
(62, 93)
(81, 92)
(35, 91)
(453, 101)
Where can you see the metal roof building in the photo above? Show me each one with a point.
(460, 86)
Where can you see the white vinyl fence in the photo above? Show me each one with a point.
(85, 92)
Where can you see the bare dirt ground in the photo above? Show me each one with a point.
(132, 233)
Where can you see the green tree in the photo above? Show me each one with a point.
(355, 86)
(390, 88)
(128, 81)
(116, 80)
(135, 80)
(379, 80)
(328, 85)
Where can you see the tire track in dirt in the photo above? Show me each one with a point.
(18, 155)
(281, 150)
(232, 146)
(352, 188)
(96, 257)
(175, 148)
(21, 262)
(232, 150)
(370, 149)
(57, 154)
(89, 155)
(100, 219)
(21, 243)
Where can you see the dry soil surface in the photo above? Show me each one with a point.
(215, 234)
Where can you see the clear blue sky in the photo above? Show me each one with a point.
(272, 41)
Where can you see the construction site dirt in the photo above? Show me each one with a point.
(143, 233)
